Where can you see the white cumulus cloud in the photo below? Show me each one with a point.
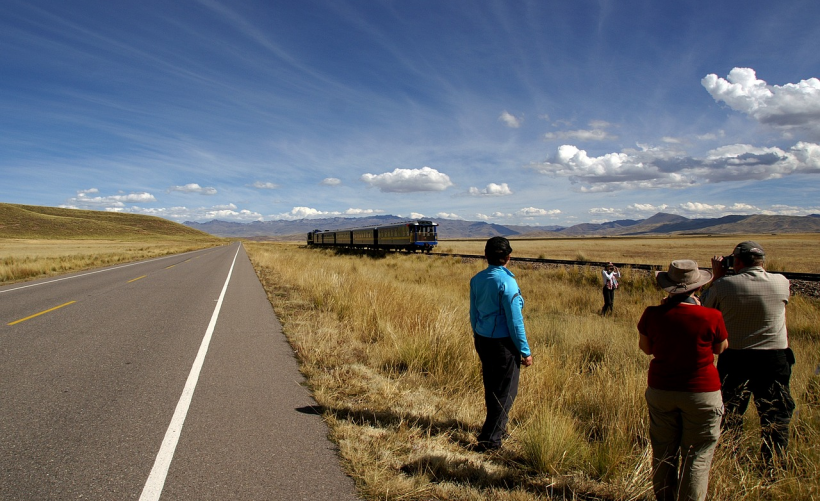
(535, 212)
(181, 214)
(331, 181)
(193, 188)
(510, 120)
(637, 207)
(492, 190)
(699, 210)
(787, 210)
(311, 213)
(409, 180)
(670, 168)
(784, 106)
(448, 215)
(305, 213)
(604, 211)
(233, 215)
(744, 162)
(631, 211)
(83, 201)
(362, 212)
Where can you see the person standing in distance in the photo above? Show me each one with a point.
(611, 274)
(759, 361)
(500, 339)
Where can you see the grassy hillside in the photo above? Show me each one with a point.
(34, 222)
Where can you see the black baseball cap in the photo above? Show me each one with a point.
(748, 248)
(497, 246)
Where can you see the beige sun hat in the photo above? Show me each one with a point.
(683, 276)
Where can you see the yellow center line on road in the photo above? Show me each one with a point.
(183, 262)
(135, 279)
(41, 313)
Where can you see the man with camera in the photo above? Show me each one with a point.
(759, 361)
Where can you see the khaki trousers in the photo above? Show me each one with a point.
(684, 428)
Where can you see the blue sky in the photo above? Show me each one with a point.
(513, 112)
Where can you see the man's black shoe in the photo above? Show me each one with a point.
(483, 447)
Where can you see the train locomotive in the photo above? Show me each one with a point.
(410, 236)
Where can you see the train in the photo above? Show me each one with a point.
(411, 236)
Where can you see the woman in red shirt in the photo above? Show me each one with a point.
(685, 405)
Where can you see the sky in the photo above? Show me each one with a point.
(510, 112)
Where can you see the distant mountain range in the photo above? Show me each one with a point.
(659, 224)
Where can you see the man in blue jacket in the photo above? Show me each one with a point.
(500, 339)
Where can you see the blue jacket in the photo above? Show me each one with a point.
(495, 307)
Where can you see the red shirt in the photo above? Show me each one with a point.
(681, 337)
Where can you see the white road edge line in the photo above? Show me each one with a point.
(156, 480)
(112, 268)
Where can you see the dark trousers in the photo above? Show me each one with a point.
(764, 375)
(500, 369)
(609, 299)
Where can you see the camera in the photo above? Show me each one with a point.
(728, 264)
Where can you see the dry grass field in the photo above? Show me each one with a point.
(786, 252)
(386, 347)
(26, 259)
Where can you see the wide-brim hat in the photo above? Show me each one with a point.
(683, 276)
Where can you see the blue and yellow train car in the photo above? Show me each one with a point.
(410, 236)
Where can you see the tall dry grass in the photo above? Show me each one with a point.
(786, 252)
(386, 346)
(29, 259)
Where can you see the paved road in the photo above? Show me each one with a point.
(168, 378)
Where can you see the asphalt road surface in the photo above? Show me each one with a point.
(164, 379)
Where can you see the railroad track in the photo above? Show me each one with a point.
(806, 277)
(806, 284)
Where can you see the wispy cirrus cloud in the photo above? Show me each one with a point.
(264, 185)
(596, 132)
